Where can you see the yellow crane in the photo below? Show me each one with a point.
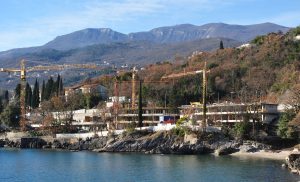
(204, 72)
(23, 70)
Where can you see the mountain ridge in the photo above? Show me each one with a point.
(166, 34)
(163, 40)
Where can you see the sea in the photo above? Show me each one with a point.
(63, 166)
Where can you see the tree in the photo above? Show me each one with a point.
(49, 88)
(56, 86)
(43, 91)
(92, 100)
(242, 129)
(5, 99)
(28, 95)
(221, 45)
(36, 95)
(1, 106)
(18, 91)
(10, 115)
(61, 87)
(285, 118)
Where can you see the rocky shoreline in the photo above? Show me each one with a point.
(144, 142)
(152, 143)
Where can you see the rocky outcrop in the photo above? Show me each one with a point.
(145, 142)
(2, 143)
(32, 142)
(293, 162)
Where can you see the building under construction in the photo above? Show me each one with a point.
(151, 116)
(232, 112)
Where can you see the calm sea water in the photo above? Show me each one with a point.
(57, 166)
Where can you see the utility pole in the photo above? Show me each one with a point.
(204, 97)
(133, 88)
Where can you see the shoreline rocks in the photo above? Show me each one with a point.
(154, 143)
(293, 162)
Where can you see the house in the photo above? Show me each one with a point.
(87, 89)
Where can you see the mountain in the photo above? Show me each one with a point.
(118, 53)
(142, 48)
(188, 32)
(170, 34)
(86, 37)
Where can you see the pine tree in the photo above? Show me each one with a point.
(61, 87)
(56, 89)
(221, 45)
(28, 95)
(43, 91)
(18, 91)
(5, 100)
(49, 89)
(35, 95)
(1, 105)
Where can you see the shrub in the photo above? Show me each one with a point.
(242, 129)
(258, 40)
(179, 131)
(181, 121)
(130, 128)
(283, 130)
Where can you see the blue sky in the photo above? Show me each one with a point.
(27, 23)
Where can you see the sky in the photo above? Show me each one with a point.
(26, 23)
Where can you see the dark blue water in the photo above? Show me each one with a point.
(57, 166)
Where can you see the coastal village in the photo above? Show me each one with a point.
(127, 111)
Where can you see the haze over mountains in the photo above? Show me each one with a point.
(159, 44)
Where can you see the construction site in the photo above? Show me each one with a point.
(124, 107)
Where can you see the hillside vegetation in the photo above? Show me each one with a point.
(265, 70)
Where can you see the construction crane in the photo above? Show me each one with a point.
(204, 72)
(23, 70)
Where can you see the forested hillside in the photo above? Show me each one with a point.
(263, 70)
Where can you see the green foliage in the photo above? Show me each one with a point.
(283, 130)
(34, 133)
(1, 105)
(296, 31)
(179, 131)
(35, 95)
(181, 121)
(18, 91)
(130, 128)
(280, 87)
(242, 129)
(52, 88)
(28, 95)
(10, 115)
(221, 45)
(43, 94)
(259, 40)
(212, 65)
(184, 91)
(92, 100)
